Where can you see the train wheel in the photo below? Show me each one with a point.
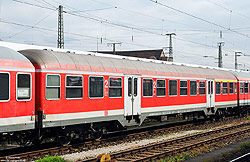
(23, 138)
(63, 140)
(97, 134)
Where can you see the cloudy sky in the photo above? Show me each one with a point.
(137, 24)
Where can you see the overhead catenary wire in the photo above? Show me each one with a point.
(30, 27)
(71, 33)
(198, 18)
(230, 10)
(124, 27)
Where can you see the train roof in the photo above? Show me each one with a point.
(12, 59)
(52, 60)
(242, 75)
(122, 64)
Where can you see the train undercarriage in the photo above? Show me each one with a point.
(63, 135)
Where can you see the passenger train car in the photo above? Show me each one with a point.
(82, 94)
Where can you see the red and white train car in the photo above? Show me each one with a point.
(17, 94)
(83, 94)
(243, 80)
(102, 92)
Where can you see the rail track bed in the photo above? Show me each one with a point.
(167, 148)
(177, 145)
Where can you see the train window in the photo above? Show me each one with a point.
(235, 87)
(224, 88)
(135, 87)
(161, 87)
(115, 87)
(218, 88)
(5, 87)
(147, 87)
(241, 88)
(183, 88)
(23, 87)
(96, 87)
(173, 87)
(231, 88)
(246, 87)
(53, 87)
(129, 86)
(74, 87)
(193, 88)
(202, 88)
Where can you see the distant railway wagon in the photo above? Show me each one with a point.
(82, 95)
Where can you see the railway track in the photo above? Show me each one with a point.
(62, 150)
(167, 148)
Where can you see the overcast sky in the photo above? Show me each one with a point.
(137, 24)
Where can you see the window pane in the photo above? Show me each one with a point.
(53, 87)
(147, 87)
(115, 87)
(241, 88)
(224, 88)
(172, 87)
(135, 86)
(231, 88)
(246, 87)
(161, 83)
(74, 81)
(96, 87)
(202, 88)
(115, 82)
(161, 88)
(115, 92)
(183, 83)
(52, 93)
(4, 86)
(23, 81)
(235, 87)
(53, 80)
(23, 86)
(183, 88)
(212, 87)
(183, 91)
(218, 87)
(74, 93)
(129, 86)
(193, 88)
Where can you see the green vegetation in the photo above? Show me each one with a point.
(51, 159)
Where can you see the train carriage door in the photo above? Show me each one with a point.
(132, 97)
(210, 93)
